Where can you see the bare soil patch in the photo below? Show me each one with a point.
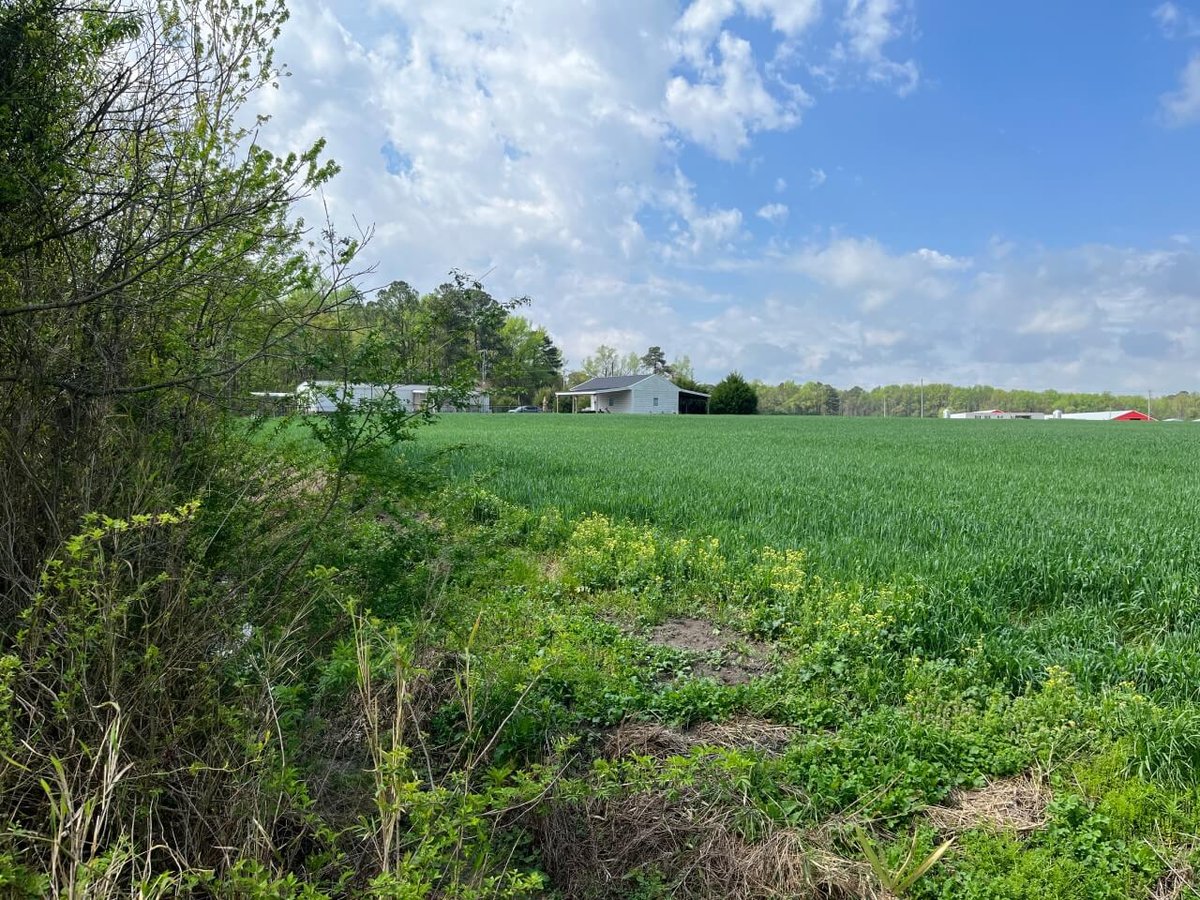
(1010, 804)
(741, 659)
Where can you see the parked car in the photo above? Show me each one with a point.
(525, 409)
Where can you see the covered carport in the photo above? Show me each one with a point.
(692, 402)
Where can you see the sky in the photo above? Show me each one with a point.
(851, 191)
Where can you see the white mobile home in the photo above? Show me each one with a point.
(646, 394)
(319, 396)
(992, 414)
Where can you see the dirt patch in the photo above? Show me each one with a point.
(1010, 804)
(734, 659)
(695, 635)
(650, 739)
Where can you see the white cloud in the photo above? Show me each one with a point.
(703, 20)
(941, 262)
(698, 231)
(872, 276)
(730, 102)
(1176, 22)
(1095, 318)
(1167, 16)
(869, 26)
(999, 248)
(816, 178)
(775, 213)
(535, 138)
(792, 17)
(1182, 107)
(1060, 318)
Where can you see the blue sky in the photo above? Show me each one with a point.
(856, 191)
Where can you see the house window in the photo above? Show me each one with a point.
(610, 402)
(656, 401)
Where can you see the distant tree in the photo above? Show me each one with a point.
(604, 363)
(607, 361)
(690, 384)
(527, 361)
(576, 377)
(655, 362)
(733, 396)
(681, 370)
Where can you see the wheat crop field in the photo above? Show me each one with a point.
(876, 497)
(946, 613)
(1080, 538)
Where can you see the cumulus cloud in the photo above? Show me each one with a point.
(869, 26)
(872, 276)
(1096, 317)
(1182, 106)
(775, 213)
(536, 140)
(730, 101)
(703, 20)
(816, 178)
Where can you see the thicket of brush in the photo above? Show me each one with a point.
(189, 703)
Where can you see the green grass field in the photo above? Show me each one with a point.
(976, 603)
(867, 496)
(1082, 537)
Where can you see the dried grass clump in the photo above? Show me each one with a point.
(599, 847)
(1010, 804)
(659, 741)
(1177, 883)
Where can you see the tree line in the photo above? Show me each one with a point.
(457, 337)
(814, 398)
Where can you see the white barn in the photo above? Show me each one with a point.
(318, 396)
(646, 394)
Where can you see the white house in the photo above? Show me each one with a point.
(318, 396)
(647, 394)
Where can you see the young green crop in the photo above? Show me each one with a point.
(1064, 543)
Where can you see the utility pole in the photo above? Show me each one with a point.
(1149, 399)
(922, 398)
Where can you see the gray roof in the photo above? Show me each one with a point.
(613, 383)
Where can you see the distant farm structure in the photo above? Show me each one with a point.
(1112, 415)
(325, 397)
(992, 414)
(646, 394)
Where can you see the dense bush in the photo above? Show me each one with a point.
(733, 396)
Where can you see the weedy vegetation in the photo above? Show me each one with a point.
(531, 656)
